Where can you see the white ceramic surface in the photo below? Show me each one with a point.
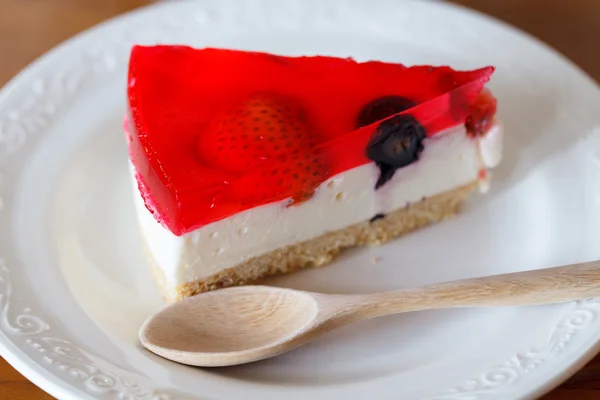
(73, 285)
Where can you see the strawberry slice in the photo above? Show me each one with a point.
(261, 128)
(295, 176)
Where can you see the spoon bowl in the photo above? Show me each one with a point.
(262, 317)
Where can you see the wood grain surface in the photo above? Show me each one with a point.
(30, 27)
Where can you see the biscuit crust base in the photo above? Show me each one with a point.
(321, 250)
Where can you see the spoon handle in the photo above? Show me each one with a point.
(544, 286)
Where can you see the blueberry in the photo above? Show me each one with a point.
(382, 108)
(396, 143)
(376, 217)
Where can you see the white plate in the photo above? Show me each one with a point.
(74, 289)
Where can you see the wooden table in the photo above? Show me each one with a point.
(28, 28)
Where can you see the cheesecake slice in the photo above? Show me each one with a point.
(246, 165)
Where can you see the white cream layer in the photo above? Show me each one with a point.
(450, 160)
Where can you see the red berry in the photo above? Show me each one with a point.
(265, 141)
(259, 129)
(482, 114)
(296, 177)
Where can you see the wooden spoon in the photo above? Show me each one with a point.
(249, 323)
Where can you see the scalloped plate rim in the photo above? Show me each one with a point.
(42, 377)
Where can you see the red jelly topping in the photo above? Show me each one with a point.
(215, 132)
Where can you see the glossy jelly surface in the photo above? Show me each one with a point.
(215, 132)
